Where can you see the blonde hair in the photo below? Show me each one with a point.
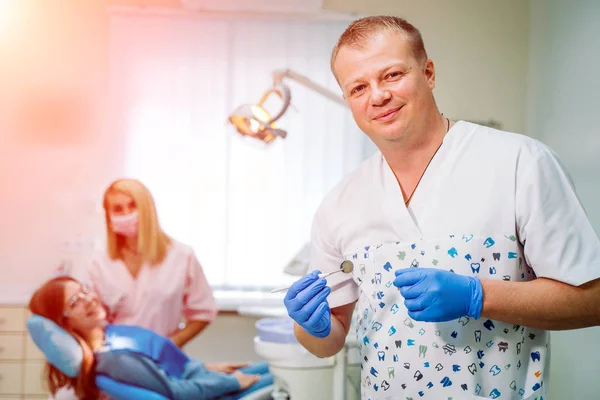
(152, 242)
(364, 28)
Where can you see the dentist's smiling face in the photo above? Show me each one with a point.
(388, 90)
(82, 308)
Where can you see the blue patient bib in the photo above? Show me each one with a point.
(143, 341)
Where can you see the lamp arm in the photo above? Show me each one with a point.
(278, 76)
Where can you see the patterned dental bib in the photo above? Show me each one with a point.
(404, 359)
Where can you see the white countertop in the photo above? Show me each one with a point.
(250, 302)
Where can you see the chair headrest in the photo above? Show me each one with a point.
(60, 348)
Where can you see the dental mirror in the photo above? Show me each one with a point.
(346, 267)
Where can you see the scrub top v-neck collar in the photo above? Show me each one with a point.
(405, 219)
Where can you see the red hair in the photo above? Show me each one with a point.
(49, 302)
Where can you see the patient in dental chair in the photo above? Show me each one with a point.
(130, 354)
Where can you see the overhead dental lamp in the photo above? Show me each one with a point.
(253, 120)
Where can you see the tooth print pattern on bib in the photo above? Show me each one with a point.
(460, 359)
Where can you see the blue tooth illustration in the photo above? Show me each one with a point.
(387, 266)
(535, 356)
(478, 389)
(453, 252)
(494, 394)
(446, 382)
(475, 267)
(495, 370)
(489, 324)
(489, 242)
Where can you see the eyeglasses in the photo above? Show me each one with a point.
(75, 300)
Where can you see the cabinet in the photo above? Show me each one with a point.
(21, 363)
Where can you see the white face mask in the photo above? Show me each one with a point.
(126, 225)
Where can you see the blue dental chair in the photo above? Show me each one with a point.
(63, 351)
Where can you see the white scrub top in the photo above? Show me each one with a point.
(491, 204)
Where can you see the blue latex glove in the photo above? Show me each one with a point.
(306, 303)
(435, 295)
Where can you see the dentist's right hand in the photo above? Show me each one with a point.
(306, 303)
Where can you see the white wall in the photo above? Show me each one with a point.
(564, 97)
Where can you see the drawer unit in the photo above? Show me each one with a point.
(12, 319)
(32, 381)
(11, 378)
(11, 346)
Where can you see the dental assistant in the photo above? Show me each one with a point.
(469, 244)
(144, 277)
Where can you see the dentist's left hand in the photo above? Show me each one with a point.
(306, 303)
(435, 295)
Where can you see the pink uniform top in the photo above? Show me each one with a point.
(160, 297)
